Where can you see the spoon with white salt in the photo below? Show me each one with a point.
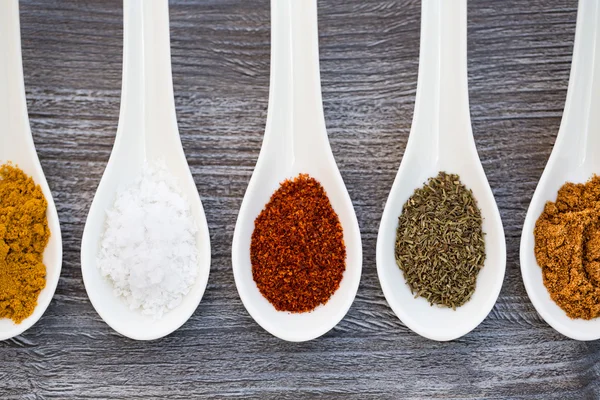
(16, 146)
(147, 133)
(575, 159)
(441, 139)
(295, 142)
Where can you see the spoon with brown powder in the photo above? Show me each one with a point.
(17, 147)
(573, 159)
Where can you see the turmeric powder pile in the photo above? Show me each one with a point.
(24, 234)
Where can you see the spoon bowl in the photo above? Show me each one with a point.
(16, 146)
(295, 142)
(147, 133)
(441, 139)
(575, 159)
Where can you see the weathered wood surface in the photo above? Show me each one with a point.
(519, 60)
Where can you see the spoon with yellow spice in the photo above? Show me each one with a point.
(30, 240)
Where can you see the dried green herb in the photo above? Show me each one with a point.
(439, 241)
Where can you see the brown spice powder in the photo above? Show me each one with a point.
(567, 248)
(297, 249)
(24, 234)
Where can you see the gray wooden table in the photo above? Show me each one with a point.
(519, 60)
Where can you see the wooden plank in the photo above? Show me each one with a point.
(519, 60)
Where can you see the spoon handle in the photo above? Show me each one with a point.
(15, 134)
(295, 117)
(580, 125)
(147, 115)
(441, 115)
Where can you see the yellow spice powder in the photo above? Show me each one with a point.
(24, 234)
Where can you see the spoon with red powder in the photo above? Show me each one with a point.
(296, 252)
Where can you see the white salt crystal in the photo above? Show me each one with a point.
(148, 250)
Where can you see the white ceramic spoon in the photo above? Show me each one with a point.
(16, 146)
(295, 142)
(575, 158)
(148, 132)
(441, 139)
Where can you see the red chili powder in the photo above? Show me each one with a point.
(297, 250)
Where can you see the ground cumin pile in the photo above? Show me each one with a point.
(24, 234)
(567, 248)
(297, 249)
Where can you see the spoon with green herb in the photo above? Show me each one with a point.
(441, 252)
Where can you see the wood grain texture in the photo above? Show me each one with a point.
(519, 61)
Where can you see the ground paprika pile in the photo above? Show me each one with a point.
(24, 234)
(297, 249)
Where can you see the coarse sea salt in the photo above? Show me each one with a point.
(149, 250)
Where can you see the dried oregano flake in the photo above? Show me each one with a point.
(439, 241)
